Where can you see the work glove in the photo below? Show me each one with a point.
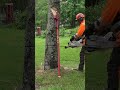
(75, 38)
(72, 38)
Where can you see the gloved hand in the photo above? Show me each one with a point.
(72, 38)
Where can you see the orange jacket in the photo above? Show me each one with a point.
(110, 11)
(81, 29)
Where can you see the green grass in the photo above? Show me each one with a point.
(96, 69)
(11, 57)
(48, 80)
(69, 57)
(94, 78)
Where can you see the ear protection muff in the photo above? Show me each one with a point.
(81, 19)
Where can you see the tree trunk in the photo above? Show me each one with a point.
(29, 59)
(51, 38)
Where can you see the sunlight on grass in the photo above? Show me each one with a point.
(11, 57)
(69, 57)
(48, 80)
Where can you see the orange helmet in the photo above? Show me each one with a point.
(80, 15)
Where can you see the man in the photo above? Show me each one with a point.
(81, 19)
(109, 17)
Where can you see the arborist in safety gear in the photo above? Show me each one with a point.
(110, 17)
(80, 17)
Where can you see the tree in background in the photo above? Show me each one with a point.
(19, 12)
(93, 12)
(51, 39)
(69, 8)
(41, 11)
(29, 58)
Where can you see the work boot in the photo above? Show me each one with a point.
(81, 66)
(80, 69)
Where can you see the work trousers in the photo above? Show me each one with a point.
(82, 59)
(112, 69)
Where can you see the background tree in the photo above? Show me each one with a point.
(93, 12)
(69, 8)
(41, 11)
(51, 39)
(29, 59)
(19, 12)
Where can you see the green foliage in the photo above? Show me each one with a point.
(67, 32)
(43, 35)
(93, 13)
(69, 9)
(70, 32)
(20, 19)
(63, 32)
(41, 11)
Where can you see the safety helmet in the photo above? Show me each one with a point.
(80, 15)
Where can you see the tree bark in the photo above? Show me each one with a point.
(29, 59)
(50, 61)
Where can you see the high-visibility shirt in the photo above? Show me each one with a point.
(110, 11)
(81, 29)
(109, 14)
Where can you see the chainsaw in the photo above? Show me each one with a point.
(73, 44)
(94, 42)
(103, 40)
(98, 41)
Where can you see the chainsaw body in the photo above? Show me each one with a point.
(74, 44)
(95, 41)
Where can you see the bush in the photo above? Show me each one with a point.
(62, 31)
(41, 11)
(93, 13)
(20, 19)
(43, 34)
(70, 32)
(69, 11)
